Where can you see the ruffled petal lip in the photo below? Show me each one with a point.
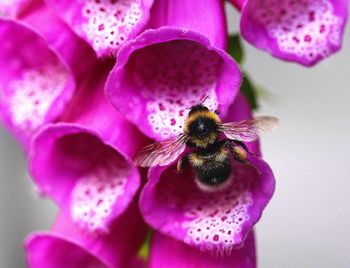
(83, 173)
(215, 221)
(163, 72)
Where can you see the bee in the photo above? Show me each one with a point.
(209, 153)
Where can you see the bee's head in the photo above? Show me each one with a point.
(198, 108)
(202, 126)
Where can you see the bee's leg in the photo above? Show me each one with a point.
(182, 163)
(240, 155)
(240, 143)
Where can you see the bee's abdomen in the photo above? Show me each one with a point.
(212, 172)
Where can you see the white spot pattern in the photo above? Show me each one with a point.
(215, 221)
(110, 22)
(185, 74)
(33, 94)
(95, 194)
(305, 28)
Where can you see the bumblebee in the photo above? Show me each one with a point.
(209, 153)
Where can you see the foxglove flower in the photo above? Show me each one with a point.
(178, 254)
(69, 246)
(35, 90)
(172, 66)
(304, 31)
(218, 221)
(84, 161)
(105, 24)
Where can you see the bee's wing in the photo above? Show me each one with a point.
(161, 153)
(248, 130)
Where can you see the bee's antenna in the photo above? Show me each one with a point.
(204, 99)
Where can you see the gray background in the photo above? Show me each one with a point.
(307, 223)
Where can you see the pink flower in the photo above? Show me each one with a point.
(105, 24)
(217, 222)
(172, 66)
(84, 161)
(305, 31)
(69, 246)
(35, 90)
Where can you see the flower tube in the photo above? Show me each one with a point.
(179, 62)
(34, 89)
(216, 222)
(304, 31)
(104, 24)
(69, 246)
(84, 161)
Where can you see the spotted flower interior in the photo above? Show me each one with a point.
(304, 31)
(34, 90)
(89, 178)
(105, 24)
(215, 221)
(161, 79)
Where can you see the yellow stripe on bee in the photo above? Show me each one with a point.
(195, 160)
(221, 155)
(199, 114)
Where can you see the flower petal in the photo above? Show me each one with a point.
(181, 13)
(34, 90)
(84, 163)
(13, 8)
(305, 31)
(68, 246)
(104, 24)
(46, 249)
(173, 204)
(163, 72)
(170, 253)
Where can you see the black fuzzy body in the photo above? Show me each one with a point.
(212, 165)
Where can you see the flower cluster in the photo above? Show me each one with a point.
(84, 85)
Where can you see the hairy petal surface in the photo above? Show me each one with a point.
(84, 163)
(163, 72)
(166, 252)
(305, 31)
(68, 246)
(217, 221)
(34, 90)
(104, 24)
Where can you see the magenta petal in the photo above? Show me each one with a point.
(104, 24)
(302, 31)
(13, 8)
(84, 163)
(47, 249)
(173, 204)
(166, 252)
(68, 246)
(83, 173)
(76, 53)
(163, 72)
(34, 90)
(192, 15)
